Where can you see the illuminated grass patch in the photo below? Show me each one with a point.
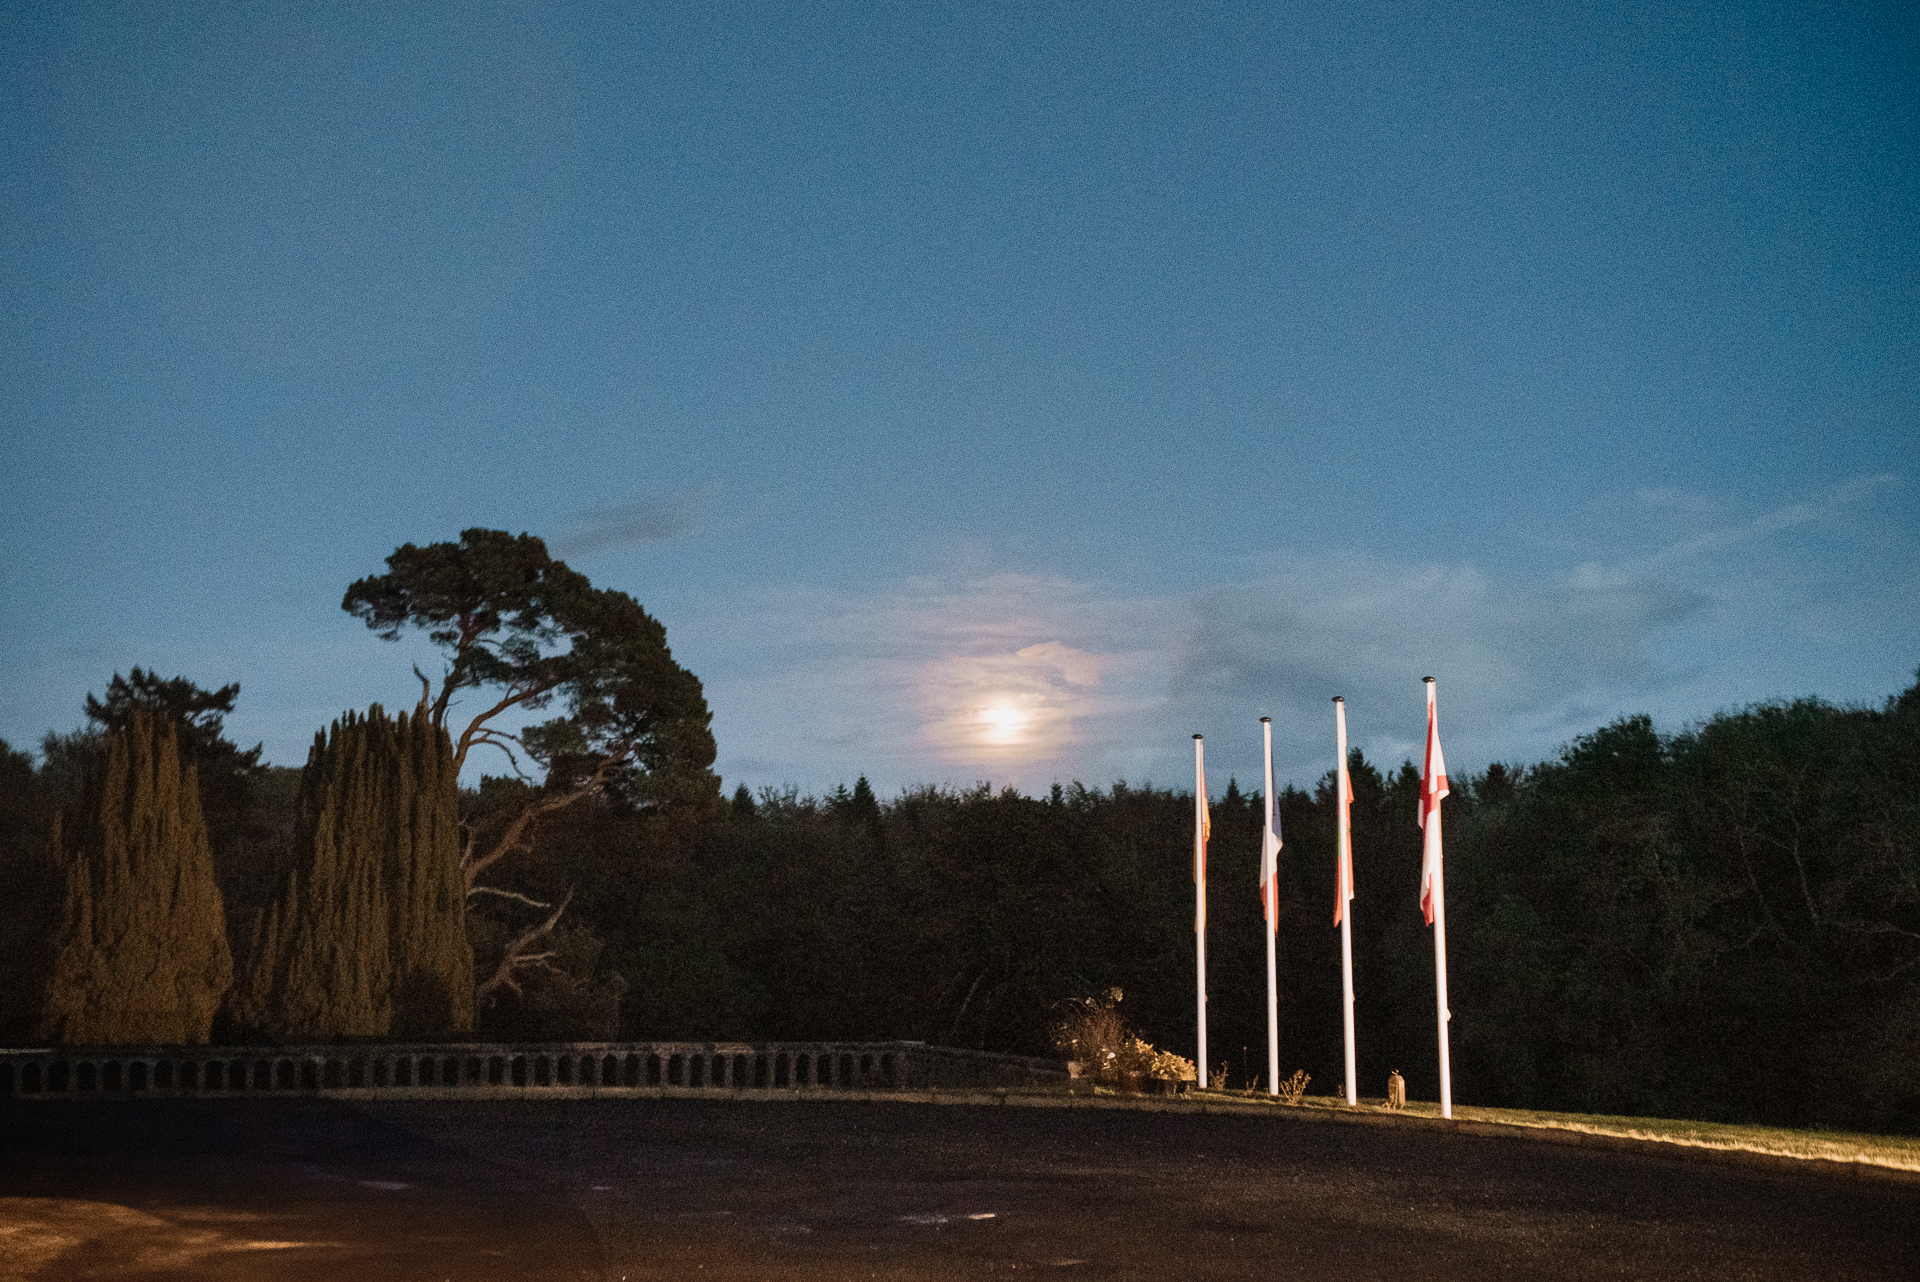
(1893, 1151)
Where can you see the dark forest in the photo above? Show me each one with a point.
(1720, 924)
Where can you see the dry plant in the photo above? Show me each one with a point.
(1294, 1087)
(1091, 1031)
(1169, 1067)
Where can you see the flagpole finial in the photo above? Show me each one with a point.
(1196, 736)
(1338, 699)
(1264, 719)
(1428, 680)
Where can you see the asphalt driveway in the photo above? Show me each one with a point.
(736, 1189)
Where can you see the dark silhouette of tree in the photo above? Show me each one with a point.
(199, 716)
(30, 909)
(226, 771)
(527, 630)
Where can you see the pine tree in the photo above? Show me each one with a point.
(141, 954)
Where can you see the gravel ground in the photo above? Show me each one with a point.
(646, 1189)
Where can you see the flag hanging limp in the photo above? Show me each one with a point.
(1433, 786)
(1270, 854)
(1343, 870)
(1202, 830)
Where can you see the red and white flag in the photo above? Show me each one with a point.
(1343, 870)
(1270, 852)
(1433, 786)
(1202, 830)
(1343, 798)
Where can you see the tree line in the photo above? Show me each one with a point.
(169, 887)
(1720, 923)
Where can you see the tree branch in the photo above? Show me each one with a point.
(519, 834)
(477, 727)
(516, 956)
(968, 1002)
(488, 737)
(509, 894)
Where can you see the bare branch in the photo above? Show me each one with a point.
(520, 833)
(476, 728)
(968, 1002)
(509, 894)
(517, 958)
(1875, 928)
(488, 737)
(426, 686)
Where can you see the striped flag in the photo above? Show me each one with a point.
(1270, 851)
(1343, 872)
(1343, 888)
(1433, 786)
(1270, 899)
(1202, 831)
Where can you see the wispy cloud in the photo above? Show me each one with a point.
(1009, 708)
(1016, 677)
(1725, 534)
(1507, 652)
(1028, 678)
(648, 518)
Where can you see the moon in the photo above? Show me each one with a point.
(1006, 725)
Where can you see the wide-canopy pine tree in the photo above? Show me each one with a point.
(527, 629)
(141, 952)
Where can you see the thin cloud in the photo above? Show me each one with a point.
(1031, 678)
(1006, 708)
(1020, 676)
(650, 518)
(1823, 506)
(1507, 653)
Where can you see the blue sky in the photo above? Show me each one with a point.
(979, 391)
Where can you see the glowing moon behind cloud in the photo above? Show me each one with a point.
(1005, 724)
(1007, 708)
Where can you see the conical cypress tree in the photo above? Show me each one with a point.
(141, 956)
(432, 961)
(318, 964)
(368, 935)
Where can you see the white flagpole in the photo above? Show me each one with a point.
(1200, 908)
(1269, 898)
(1342, 788)
(1430, 820)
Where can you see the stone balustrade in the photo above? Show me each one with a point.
(570, 1068)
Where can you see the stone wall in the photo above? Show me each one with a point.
(575, 1068)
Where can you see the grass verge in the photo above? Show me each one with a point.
(1897, 1152)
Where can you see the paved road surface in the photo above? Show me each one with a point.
(651, 1189)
